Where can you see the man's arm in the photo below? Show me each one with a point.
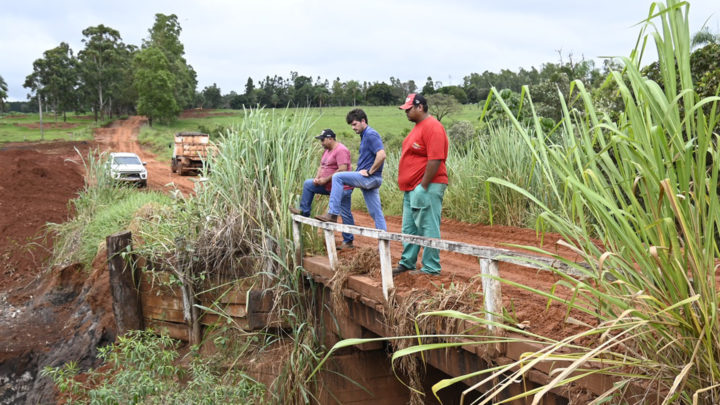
(325, 180)
(379, 159)
(430, 171)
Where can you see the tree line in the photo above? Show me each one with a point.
(109, 77)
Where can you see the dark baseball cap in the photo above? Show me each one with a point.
(326, 133)
(413, 99)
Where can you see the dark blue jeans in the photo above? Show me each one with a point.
(309, 191)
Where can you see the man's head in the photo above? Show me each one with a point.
(327, 138)
(358, 120)
(415, 107)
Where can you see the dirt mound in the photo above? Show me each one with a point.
(36, 186)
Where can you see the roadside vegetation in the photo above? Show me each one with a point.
(623, 169)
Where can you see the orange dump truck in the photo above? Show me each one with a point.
(190, 152)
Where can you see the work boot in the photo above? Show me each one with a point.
(295, 210)
(327, 217)
(399, 269)
(345, 245)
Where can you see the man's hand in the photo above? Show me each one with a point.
(364, 173)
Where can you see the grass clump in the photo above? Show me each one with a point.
(102, 208)
(639, 201)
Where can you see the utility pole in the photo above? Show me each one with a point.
(42, 130)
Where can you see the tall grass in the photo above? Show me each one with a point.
(640, 202)
(497, 151)
(102, 208)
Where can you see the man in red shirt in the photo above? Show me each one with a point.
(422, 175)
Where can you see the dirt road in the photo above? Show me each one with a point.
(122, 136)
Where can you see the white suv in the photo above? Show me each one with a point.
(128, 167)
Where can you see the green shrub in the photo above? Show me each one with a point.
(143, 368)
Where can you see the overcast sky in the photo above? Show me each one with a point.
(227, 41)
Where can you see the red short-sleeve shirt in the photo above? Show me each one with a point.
(426, 141)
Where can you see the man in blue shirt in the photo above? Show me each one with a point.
(368, 176)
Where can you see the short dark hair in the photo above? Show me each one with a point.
(420, 99)
(356, 114)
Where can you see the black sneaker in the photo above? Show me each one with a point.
(399, 269)
(345, 245)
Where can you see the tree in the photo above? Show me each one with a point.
(353, 91)
(705, 37)
(165, 36)
(100, 65)
(56, 75)
(429, 87)
(212, 96)
(455, 91)
(3, 93)
(155, 84)
(441, 105)
(380, 94)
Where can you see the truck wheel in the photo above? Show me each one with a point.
(143, 183)
(173, 166)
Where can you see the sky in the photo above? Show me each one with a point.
(227, 41)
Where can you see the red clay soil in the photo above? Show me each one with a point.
(36, 184)
(526, 307)
(121, 136)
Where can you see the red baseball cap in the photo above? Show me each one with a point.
(412, 100)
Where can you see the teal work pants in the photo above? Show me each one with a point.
(421, 216)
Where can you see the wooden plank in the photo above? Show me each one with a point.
(164, 314)
(385, 267)
(216, 320)
(331, 250)
(124, 278)
(149, 300)
(492, 296)
(499, 254)
(174, 330)
(297, 238)
(367, 287)
(234, 310)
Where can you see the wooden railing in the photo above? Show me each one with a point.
(488, 257)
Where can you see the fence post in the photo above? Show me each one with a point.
(385, 266)
(190, 312)
(297, 237)
(491, 291)
(124, 281)
(331, 250)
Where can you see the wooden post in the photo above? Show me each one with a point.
(124, 281)
(385, 266)
(491, 291)
(190, 312)
(297, 237)
(331, 250)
